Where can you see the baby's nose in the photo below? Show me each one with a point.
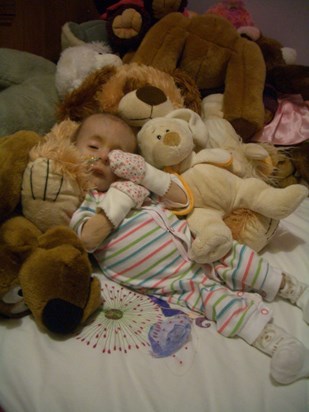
(103, 154)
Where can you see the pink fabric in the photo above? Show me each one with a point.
(290, 124)
(234, 11)
(137, 193)
(127, 165)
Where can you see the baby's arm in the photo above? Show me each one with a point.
(101, 213)
(175, 195)
(95, 230)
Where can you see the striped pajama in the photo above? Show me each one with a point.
(149, 252)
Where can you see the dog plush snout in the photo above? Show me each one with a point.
(171, 139)
(151, 95)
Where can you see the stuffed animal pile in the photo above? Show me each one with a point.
(214, 54)
(164, 85)
(216, 192)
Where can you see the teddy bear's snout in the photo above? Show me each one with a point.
(151, 95)
(171, 139)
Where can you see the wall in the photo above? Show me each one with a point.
(284, 20)
(35, 25)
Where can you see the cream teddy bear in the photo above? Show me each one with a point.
(216, 192)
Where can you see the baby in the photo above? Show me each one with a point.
(138, 242)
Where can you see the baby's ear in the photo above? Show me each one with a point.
(195, 124)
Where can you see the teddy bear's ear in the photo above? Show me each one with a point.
(195, 124)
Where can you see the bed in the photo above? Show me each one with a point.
(109, 364)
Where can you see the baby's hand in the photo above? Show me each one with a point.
(134, 168)
(120, 198)
(137, 193)
(128, 166)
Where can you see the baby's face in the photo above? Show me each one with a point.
(96, 139)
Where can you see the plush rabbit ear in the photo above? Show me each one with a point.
(195, 124)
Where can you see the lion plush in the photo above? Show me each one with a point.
(214, 54)
(133, 91)
(44, 272)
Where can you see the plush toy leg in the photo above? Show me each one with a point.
(243, 102)
(213, 239)
(271, 202)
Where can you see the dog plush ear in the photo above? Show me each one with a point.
(82, 101)
(195, 124)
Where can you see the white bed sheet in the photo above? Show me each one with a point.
(210, 373)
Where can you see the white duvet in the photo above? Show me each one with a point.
(109, 366)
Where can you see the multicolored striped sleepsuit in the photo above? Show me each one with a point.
(149, 252)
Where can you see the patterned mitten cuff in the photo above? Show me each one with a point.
(156, 180)
(120, 199)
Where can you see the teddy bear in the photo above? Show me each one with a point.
(127, 21)
(76, 62)
(215, 191)
(133, 91)
(44, 271)
(213, 53)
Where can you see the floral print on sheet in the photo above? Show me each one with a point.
(124, 321)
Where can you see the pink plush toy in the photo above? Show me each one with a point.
(234, 11)
(238, 15)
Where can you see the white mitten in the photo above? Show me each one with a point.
(133, 167)
(120, 198)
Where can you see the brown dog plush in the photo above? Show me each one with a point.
(44, 272)
(135, 92)
(214, 54)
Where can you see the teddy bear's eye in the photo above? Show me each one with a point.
(159, 137)
(167, 130)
